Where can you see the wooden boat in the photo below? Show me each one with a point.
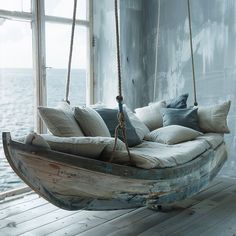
(75, 182)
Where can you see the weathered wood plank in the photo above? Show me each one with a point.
(47, 216)
(21, 209)
(11, 201)
(129, 224)
(184, 219)
(225, 227)
(90, 220)
(14, 192)
(226, 208)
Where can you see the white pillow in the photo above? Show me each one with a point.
(172, 134)
(151, 115)
(140, 128)
(214, 118)
(60, 120)
(36, 140)
(91, 122)
(84, 146)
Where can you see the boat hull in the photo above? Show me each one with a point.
(72, 182)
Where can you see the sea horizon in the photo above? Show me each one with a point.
(17, 105)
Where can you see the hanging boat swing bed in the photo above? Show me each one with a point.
(74, 182)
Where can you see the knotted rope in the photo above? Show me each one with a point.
(121, 117)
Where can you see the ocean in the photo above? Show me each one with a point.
(17, 104)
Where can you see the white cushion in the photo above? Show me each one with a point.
(91, 122)
(60, 120)
(151, 115)
(214, 118)
(150, 155)
(140, 128)
(36, 140)
(172, 134)
(83, 146)
(213, 139)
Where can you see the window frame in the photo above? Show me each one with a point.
(38, 19)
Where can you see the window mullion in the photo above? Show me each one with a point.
(90, 75)
(38, 29)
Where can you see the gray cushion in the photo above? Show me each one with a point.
(91, 122)
(140, 128)
(187, 117)
(179, 102)
(110, 118)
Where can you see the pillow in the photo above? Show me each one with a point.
(110, 118)
(60, 120)
(172, 134)
(214, 118)
(151, 115)
(179, 102)
(91, 122)
(84, 146)
(36, 140)
(187, 117)
(140, 128)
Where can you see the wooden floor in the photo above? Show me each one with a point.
(212, 212)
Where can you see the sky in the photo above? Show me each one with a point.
(16, 36)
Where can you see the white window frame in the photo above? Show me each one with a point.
(38, 19)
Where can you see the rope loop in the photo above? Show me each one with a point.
(122, 127)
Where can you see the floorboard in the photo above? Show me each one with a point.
(211, 212)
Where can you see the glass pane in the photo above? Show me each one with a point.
(16, 90)
(64, 8)
(16, 5)
(57, 54)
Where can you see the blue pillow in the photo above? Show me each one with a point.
(110, 118)
(187, 117)
(179, 102)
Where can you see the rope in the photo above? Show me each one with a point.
(191, 47)
(70, 54)
(118, 48)
(121, 117)
(157, 45)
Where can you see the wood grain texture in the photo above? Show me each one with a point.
(211, 212)
(73, 182)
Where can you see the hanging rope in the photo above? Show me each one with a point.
(70, 54)
(191, 47)
(157, 46)
(121, 117)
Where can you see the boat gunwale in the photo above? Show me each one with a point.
(110, 168)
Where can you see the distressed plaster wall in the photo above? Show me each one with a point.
(214, 42)
(131, 37)
(168, 66)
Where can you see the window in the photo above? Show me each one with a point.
(16, 83)
(16, 5)
(64, 8)
(57, 54)
(20, 42)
